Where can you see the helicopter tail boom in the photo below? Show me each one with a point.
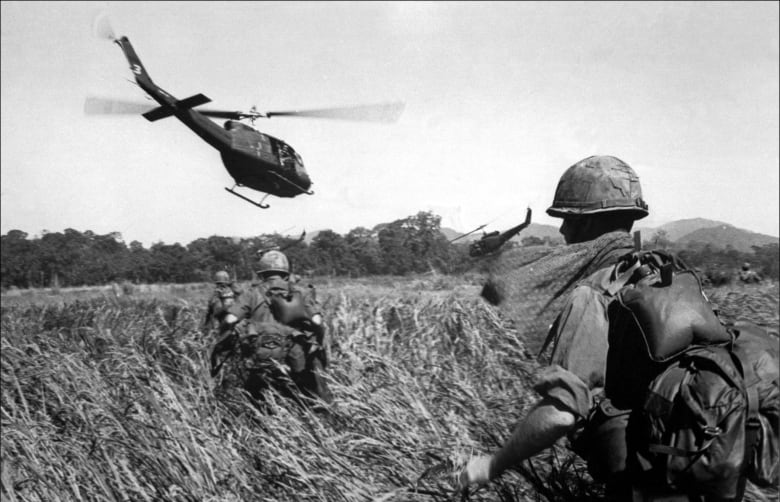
(168, 104)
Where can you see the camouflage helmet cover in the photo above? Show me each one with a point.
(746, 266)
(598, 184)
(221, 277)
(273, 261)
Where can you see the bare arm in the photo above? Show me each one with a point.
(540, 429)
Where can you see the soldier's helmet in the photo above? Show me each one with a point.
(598, 184)
(273, 261)
(746, 266)
(221, 277)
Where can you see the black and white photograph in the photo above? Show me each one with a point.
(390, 251)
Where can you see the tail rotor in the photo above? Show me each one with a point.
(101, 27)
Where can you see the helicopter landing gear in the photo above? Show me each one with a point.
(307, 192)
(258, 204)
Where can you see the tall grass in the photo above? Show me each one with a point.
(110, 399)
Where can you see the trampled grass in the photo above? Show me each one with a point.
(109, 398)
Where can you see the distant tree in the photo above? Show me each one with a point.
(106, 259)
(414, 244)
(137, 265)
(660, 240)
(331, 254)
(212, 254)
(19, 260)
(364, 246)
(767, 260)
(171, 263)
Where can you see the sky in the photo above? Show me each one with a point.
(501, 98)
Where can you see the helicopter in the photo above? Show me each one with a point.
(492, 242)
(253, 159)
(274, 246)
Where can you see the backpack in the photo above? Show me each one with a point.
(289, 307)
(682, 408)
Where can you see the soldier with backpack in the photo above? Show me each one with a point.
(225, 294)
(276, 331)
(663, 400)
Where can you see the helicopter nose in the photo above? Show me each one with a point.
(303, 176)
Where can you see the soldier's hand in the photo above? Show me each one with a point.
(476, 472)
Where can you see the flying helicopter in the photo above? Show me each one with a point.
(492, 242)
(272, 245)
(253, 159)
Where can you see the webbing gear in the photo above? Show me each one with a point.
(753, 425)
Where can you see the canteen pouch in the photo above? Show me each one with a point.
(602, 443)
(289, 309)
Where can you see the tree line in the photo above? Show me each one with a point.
(71, 258)
(411, 245)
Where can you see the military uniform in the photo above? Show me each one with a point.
(574, 383)
(286, 310)
(748, 276)
(223, 298)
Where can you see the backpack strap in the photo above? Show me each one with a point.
(622, 278)
(753, 423)
(749, 376)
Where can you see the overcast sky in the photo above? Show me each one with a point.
(500, 99)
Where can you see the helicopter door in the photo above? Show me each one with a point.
(252, 142)
(263, 148)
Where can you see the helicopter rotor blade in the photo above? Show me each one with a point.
(102, 106)
(468, 233)
(380, 112)
(223, 114)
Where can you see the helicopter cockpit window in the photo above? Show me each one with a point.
(286, 155)
(298, 159)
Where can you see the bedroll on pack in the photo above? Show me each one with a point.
(682, 391)
(266, 342)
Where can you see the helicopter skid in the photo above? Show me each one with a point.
(307, 192)
(258, 204)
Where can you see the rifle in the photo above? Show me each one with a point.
(225, 344)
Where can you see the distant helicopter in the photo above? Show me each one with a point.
(492, 242)
(254, 159)
(272, 246)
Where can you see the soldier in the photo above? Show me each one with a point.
(598, 199)
(225, 294)
(748, 276)
(280, 326)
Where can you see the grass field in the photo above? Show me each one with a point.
(106, 395)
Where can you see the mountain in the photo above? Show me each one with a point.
(727, 235)
(682, 232)
(716, 233)
(679, 228)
